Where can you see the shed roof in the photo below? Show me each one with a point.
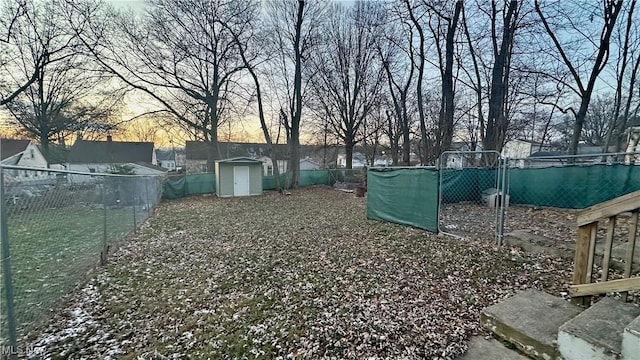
(239, 160)
(108, 152)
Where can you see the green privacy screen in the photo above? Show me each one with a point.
(404, 196)
(189, 184)
(307, 178)
(459, 185)
(177, 187)
(574, 187)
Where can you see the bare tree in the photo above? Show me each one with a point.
(13, 19)
(420, 64)
(252, 42)
(349, 77)
(293, 26)
(627, 40)
(450, 17)
(181, 53)
(62, 91)
(598, 57)
(395, 50)
(497, 121)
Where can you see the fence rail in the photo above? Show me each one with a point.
(56, 226)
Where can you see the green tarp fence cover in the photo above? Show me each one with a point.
(460, 185)
(177, 187)
(404, 196)
(307, 178)
(573, 187)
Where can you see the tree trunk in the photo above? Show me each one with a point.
(294, 146)
(447, 110)
(213, 152)
(496, 120)
(348, 150)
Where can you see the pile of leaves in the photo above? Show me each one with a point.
(298, 276)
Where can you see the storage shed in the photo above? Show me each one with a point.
(239, 176)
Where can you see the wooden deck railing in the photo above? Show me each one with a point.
(583, 287)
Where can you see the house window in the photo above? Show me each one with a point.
(92, 170)
(32, 153)
(269, 170)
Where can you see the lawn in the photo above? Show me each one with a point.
(52, 249)
(298, 276)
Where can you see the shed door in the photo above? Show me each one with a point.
(240, 181)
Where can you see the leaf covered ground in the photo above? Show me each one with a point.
(298, 276)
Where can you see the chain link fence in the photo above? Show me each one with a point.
(472, 194)
(56, 227)
(177, 186)
(547, 193)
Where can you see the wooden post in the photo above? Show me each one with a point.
(581, 264)
(607, 249)
(631, 245)
(592, 253)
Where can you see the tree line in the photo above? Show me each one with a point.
(413, 77)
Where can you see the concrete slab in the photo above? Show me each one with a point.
(530, 320)
(631, 340)
(597, 332)
(489, 349)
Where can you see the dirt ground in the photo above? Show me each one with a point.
(558, 226)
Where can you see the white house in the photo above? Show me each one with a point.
(25, 153)
(267, 165)
(358, 160)
(166, 159)
(309, 164)
(522, 149)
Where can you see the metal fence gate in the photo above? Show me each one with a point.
(473, 194)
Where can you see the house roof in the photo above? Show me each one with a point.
(110, 152)
(239, 160)
(162, 154)
(538, 154)
(10, 147)
(151, 166)
(56, 154)
(198, 150)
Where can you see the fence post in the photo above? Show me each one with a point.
(6, 269)
(105, 248)
(135, 223)
(146, 195)
(503, 196)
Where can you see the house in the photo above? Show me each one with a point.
(267, 165)
(309, 164)
(358, 160)
(166, 159)
(460, 155)
(201, 155)
(113, 156)
(522, 149)
(19, 152)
